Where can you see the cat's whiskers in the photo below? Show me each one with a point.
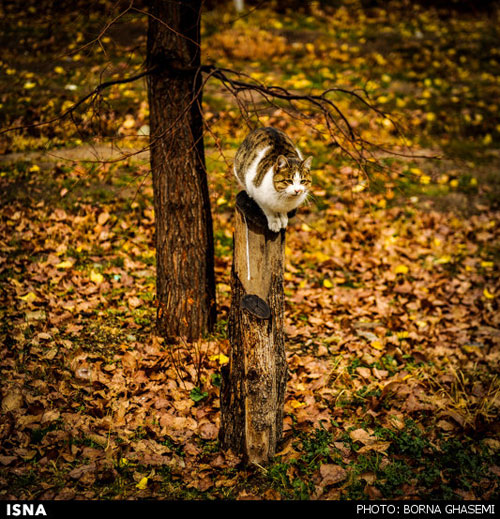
(310, 197)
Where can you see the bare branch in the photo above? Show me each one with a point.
(92, 95)
(105, 29)
(304, 106)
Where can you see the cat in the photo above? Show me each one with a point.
(273, 173)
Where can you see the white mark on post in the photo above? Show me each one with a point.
(248, 250)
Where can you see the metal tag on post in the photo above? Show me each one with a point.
(256, 306)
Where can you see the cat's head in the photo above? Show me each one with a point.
(292, 177)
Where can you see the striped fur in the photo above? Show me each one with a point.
(273, 172)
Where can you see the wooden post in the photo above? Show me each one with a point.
(254, 382)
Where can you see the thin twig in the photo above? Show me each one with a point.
(92, 95)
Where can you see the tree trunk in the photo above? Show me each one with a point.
(184, 236)
(254, 383)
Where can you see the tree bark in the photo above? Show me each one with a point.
(184, 236)
(254, 383)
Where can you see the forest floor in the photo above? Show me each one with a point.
(392, 283)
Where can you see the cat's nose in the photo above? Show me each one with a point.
(298, 191)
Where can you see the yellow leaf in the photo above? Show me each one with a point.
(143, 483)
(64, 265)
(444, 259)
(296, 404)
(220, 358)
(359, 187)
(58, 70)
(96, 277)
(301, 83)
(487, 264)
(488, 294)
(377, 345)
(123, 462)
(327, 283)
(321, 256)
(129, 122)
(34, 169)
(401, 269)
(470, 348)
(29, 297)
(29, 84)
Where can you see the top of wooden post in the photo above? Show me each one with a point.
(253, 213)
(251, 210)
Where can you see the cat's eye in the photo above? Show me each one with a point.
(304, 181)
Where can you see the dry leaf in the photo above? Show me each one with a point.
(103, 218)
(377, 446)
(360, 435)
(12, 401)
(78, 472)
(134, 302)
(332, 474)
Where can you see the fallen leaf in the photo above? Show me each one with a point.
(366, 373)
(134, 302)
(332, 474)
(103, 218)
(30, 297)
(7, 460)
(96, 277)
(143, 483)
(64, 264)
(220, 358)
(445, 425)
(377, 446)
(78, 472)
(362, 436)
(12, 401)
(488, 294)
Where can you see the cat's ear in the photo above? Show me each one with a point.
(307, 163)
(281, 162)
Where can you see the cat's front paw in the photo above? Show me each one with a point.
(283, 220)
(274, 224)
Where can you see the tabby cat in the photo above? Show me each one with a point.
(273, 172)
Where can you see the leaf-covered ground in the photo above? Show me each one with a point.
(392, 285)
